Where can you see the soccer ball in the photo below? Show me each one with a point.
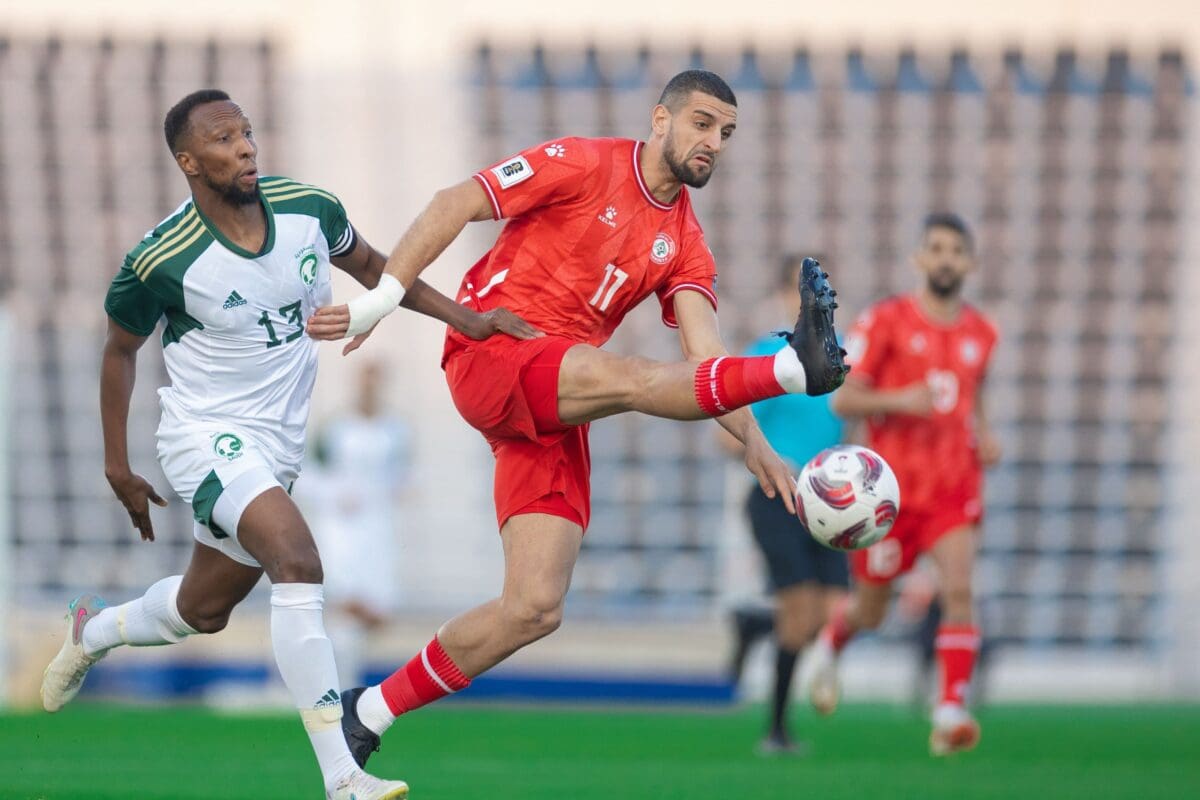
(847, 497)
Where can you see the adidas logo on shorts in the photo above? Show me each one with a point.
(233, 301)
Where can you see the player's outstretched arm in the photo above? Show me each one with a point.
(366, 265)
(429, 235)
(856, 398)
(700, 338)
(118, 370)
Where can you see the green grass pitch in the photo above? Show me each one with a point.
(479, 753)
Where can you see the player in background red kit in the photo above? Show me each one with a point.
(919, 363)
(595, 226)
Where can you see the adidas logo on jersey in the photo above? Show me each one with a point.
(233, 301)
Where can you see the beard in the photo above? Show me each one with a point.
(230, 193)
(944, 282)
(682, 172)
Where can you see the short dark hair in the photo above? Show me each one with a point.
(679, 88)
(176, 123)
(952, 221)
(789, 264)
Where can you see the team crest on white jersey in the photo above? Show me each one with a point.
(555, 150)
(663, 249)
(512, 172)
(308, 261)
(609, 217)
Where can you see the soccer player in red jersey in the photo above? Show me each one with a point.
(595, 226)
(919, 364)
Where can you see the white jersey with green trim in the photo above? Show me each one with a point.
(234, 341)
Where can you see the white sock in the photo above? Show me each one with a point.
(152, 619)
(305, 658)
(789, 371)
(373, 710)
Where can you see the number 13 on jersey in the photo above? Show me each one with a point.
(613, 278)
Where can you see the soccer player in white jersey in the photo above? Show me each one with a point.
(236, 270)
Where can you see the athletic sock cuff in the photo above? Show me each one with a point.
(174, 618)
(707, 387)
(302, 596)
(957, 637)
(441, 665)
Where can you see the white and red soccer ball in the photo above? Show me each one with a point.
(847, 497)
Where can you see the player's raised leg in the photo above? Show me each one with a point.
(199, 601)
(272, 530)
(957, 643)
(594, 383)
(540, 551)
(863, 610)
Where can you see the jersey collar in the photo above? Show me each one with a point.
(641, 181)
(268, 243)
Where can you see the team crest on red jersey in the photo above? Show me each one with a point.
(663, 249)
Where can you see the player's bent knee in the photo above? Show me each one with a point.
(213, 623)
(531, 620)
(296, 567)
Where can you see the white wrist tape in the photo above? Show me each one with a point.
(370, 307)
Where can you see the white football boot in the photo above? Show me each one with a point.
(361, 786)
(819, 677)
(64, 675)
(954, 730)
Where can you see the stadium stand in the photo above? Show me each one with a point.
(1068, 163)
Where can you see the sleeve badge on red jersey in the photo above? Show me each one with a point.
(512, 172)
(970, 352)
(663, 249)
(555, 150)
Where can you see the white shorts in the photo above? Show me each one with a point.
(219, 470)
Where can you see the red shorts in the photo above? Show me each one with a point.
(916, 530)
(507, 389)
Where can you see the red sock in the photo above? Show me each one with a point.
(728, 383)
(837, 632)
(431, 675)
(957, 646)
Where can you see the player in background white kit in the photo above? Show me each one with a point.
(364, 458)
(235, 270)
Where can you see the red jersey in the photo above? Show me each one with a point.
(585, 241)
(893, 345)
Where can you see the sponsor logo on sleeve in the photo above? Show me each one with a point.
(512, 172)
(555, 150)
